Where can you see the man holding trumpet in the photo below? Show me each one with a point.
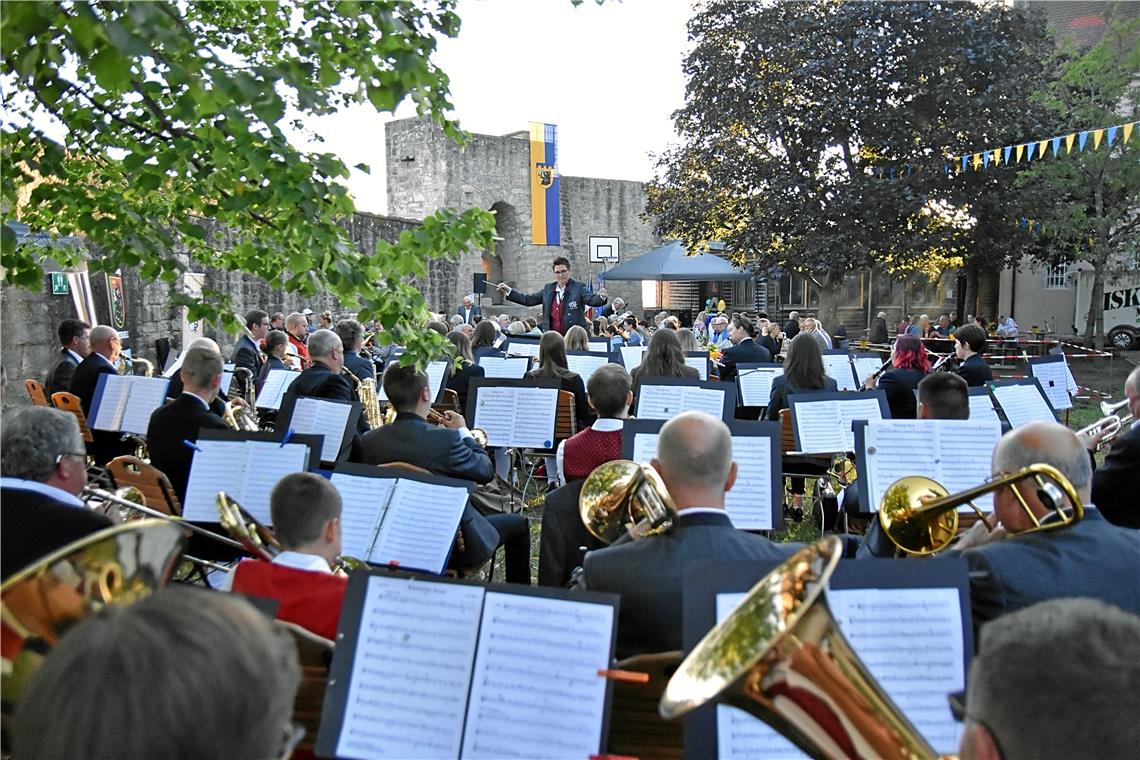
(1114, 482)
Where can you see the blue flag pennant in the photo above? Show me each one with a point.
(1111, 135)
(1082, 138)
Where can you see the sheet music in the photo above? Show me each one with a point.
(419, 526)
(216, 466)
(174, 365)
(910, 639)
(955, 453)
(857, 408)
(645, 447)
(756, 385)
(631, 356)
(363, 503)
(838, 367)
(866, 365)
(535, 690)
(521, 348)
(112, 402)
(700, 363)
(825, 426)
(749, 503)
(266, 462)
(436, 372)
(277, 381)
(314, 416)
(982, 408)
(586, 365)
(144, 396)
(227, 380)
(664, 402)
(512, 368)
(412, 669)
(517, 417)
(599, 344)
(1054, 379)
(1070, 381)
(1022, 404)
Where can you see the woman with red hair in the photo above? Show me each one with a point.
(908, 366)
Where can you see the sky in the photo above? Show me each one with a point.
(608, 75)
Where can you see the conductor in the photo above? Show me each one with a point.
(564, 301)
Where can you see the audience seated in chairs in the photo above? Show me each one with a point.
(196, 674)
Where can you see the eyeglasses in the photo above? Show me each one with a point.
(81, 454)
(561, 271)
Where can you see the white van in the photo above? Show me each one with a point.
(1121, 309)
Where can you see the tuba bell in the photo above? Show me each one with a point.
(781, 657)
(623, 500)
(920, 517)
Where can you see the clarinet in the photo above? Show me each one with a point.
(875, 374)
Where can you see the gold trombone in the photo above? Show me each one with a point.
(130, 499)
(920, 517)
(624, 501)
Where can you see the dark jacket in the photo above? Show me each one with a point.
(358, 365)
(35, 525)
(878, 331)
(61, 373)
(562, 536)
(743, 352)
(248, 354)
(781, 389)
(106, 444)
(575, 301)
(975, 371)
(179, 420)
(459, 381)
(900, 385)
(791, 328)
(476, 314)
(768, 342)
(1115, 482)
(482, 351)
(648, 575)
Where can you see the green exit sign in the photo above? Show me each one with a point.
(59, 284)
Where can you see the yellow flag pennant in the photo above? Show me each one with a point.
(1041, 148)
(1128, 130)
(1069, 139)
(1020, 150)
(996, 158)
(977, 160)
(1097, 135)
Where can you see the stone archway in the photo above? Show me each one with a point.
(503, 264)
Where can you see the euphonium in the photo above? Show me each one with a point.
(238, 417)
(780, 656)
(623, 500)
(919, 517)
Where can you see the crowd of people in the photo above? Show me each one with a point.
(1075, 588)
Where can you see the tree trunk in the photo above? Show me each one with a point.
(829, 291)
(971, 300)
(1094, 320)
(988, 286)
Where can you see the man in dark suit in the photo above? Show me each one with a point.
(694, 459)
(73, 336)
(613, 309)
(44, 470)
(247, 350)
(1114, 482)
(450, 451)
(564, 301)
(104, 356)
(324, 379)
(969, 343)
(469, 311)
(792, 326)
(351, 335)
(180, 420)
(744, 348)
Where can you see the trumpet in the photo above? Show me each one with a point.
(439, 418)
(1110, 425)
(624, 501)
(920, 517)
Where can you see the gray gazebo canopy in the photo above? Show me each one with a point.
(669, 263)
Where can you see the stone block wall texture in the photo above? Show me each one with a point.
(28, 319)
(427, 171)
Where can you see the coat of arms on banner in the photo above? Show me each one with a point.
(117, 301)
(545, 175)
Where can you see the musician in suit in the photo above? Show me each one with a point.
(469, 312)
(247, 350)
(324, 379)
(42, 473)
(306, 511)
(103, 359)
(744, 348)
(694, 459)
(297, 327)
(181, 420)
(564, 301)
(73, 336)
(909, 366)
(276, 346)
(447, 450)
(969, 343)
(1114, 482)
(352, 337)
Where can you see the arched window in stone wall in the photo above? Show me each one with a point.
(503, 265)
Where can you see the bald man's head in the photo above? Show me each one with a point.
(204, 342)
(104, 340)
(1038, 443)
(694, 452)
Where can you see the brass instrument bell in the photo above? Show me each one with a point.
(625, 500)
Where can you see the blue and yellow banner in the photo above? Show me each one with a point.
(545, 213)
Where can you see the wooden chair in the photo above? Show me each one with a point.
(800, 465)
(565, 425)
(155, 486)
(314, 654)
(69, 402)
(36, 392)
(636, 728)
(450, 402)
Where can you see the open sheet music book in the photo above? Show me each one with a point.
(521, 345)
(631, 356)
(597, 345)
(449, 669)
(754, 382)
(174, 364)
(124, 403)
(955, 453)
(277, 381)
(899, 623)
(1022, 401)
(585, 363)
(982, 405)
(755, 501)
(822, 421)
(1052, 372)
(700, 361)
(334, 420)
(437, 372)
(391, 516)
(866, 364)
(661, 398)
(837, 365)
(512, 367)
(244, 465)
(514, 413)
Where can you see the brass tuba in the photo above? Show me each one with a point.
(781, 657)
(919, 517)
(237, 417)
(623, 500)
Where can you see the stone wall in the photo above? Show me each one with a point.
(28, 319)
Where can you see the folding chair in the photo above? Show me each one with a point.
(36, 392)
(154, 485)
(801, 465)
(69, 402)
(565, 425)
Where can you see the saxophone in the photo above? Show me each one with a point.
(369, 399)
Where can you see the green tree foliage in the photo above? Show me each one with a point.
(155, 128)
(815, 135)
(1091, 199)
